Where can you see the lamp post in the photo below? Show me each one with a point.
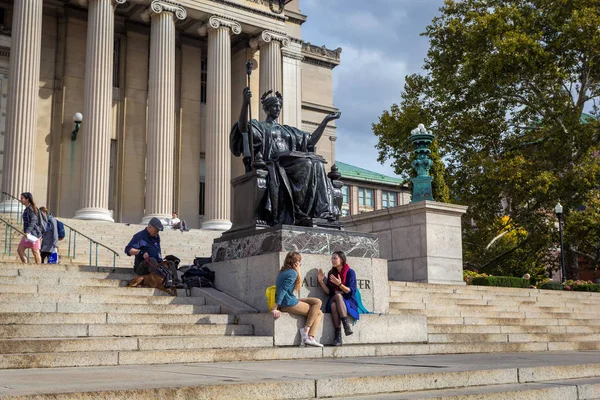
(77, 119)
(558, 210)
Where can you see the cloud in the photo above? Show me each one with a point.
(381, 44)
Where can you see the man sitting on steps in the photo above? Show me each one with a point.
(145, 246)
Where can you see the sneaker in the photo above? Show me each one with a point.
(303, 336)
(312, 342)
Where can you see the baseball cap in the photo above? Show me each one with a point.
(155, 222)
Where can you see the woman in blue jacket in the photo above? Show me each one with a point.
(288, 282)
(31, 227)
(341, 288)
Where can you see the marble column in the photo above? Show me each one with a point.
(97, 111)
(160, 155)
(270, 64)
(218, 122)
(22, 107)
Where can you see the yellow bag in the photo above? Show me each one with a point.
(270, 294)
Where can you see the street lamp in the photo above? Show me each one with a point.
(77, 119)
(558, 210)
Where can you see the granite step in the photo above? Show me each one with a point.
(101, 344)
(469, 329)
(96, 299)
(120, 330)
(109, 308)
(112, 318)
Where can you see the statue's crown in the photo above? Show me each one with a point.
(267, 97)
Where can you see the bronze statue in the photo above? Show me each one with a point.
(298, 189)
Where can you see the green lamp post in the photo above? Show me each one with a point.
(422, 139)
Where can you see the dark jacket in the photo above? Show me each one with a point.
(50, 239)
(30, 222)
(148, 244)
(284, 295)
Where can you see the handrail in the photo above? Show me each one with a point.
(8, 243)
(71, 230)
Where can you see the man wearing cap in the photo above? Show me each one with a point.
(145, 246)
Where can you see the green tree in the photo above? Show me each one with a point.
(504, 89)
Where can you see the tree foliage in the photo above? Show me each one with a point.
(504, 88)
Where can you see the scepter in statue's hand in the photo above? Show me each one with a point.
(257, 160)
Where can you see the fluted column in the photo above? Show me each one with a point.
(218, 121)
(292, 84)
(271, 75)
(161, 109)
(22, 107)
(97, 111)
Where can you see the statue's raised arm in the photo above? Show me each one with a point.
(316, 135)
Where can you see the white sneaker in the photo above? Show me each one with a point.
(312, 342)
(304, 337)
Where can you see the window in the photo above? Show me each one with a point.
(365, 197)
(345, 195)
(202, 183)
(388, 199)
(203, 73)
(116, 62)
(345, 212)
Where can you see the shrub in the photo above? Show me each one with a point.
(586, 288)
(469, 275)
(500, 281)
(552, 285)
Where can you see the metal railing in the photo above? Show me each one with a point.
(12, 206)
(8, 237)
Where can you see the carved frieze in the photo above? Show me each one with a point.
(322, 51)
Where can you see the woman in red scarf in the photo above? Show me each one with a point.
(341, 288)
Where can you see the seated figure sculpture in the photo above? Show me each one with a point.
(298, 188)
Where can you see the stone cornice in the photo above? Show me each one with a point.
(295, 17)
(268, 36)
(322, 52)
(311, 123)
(216, 22)
(159, 6)
(250, 9)
(291, 54)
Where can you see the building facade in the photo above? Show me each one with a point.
(159, 84)
(366, 191)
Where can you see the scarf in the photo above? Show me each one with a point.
(342, 275)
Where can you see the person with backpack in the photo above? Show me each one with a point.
(32, 228)
(50, 238)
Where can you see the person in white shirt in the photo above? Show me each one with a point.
(176, 223)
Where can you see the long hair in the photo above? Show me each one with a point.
(290, 260)
(29, 197)
(342, 256)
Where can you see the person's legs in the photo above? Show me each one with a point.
(173, 269)
(343, 313)
(36, 256)
(21, 252)
(315, 315)
(44, 255)
(177, 225)
(303, 309)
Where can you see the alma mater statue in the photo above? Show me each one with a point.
(298, 189)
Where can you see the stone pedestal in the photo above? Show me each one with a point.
(246, 279)
(421, 241)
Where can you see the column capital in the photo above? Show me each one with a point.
(268, 36)
(160, 6)
(216, 22)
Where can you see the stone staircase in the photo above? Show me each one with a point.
(472, 319)
(186, 245)
(67, 315)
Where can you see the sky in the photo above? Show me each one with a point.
(381, 44)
